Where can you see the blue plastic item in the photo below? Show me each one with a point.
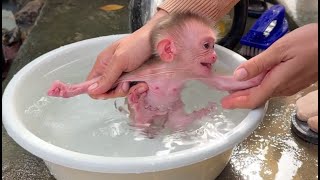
(271, 26)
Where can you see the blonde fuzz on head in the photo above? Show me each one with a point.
(174, 24)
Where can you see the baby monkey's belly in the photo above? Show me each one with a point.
(146, 112)
(150, 108)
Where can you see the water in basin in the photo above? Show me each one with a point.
(96, 127)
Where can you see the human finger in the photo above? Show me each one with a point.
(120, 91)
(260, 63)
(107, 79)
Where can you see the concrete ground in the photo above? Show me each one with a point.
(271, 152)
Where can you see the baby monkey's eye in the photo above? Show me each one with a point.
(206, 45)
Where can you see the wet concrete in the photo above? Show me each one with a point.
(271, 152)
(60, 22)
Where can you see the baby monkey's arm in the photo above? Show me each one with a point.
(60, 89)
(228, 83)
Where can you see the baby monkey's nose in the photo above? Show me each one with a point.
(213, 57)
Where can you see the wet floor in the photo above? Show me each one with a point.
(271, 152)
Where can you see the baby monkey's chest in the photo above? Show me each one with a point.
(163, 94)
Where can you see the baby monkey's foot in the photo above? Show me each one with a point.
(135, 94)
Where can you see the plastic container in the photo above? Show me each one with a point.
(204, 162)
(270, 27)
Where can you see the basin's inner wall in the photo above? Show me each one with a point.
(95, 127)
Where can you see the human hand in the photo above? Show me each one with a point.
(292, 65)
(123, 55)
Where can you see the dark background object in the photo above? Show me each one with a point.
(302, 130)
(239, 22)
(3, 62)
(256, 8)
(138, 10)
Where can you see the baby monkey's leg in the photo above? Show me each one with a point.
(179, 119)
(137, 107)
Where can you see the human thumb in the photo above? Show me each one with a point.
(106, 80)
(258, 64)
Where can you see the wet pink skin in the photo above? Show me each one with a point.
(165, 76)
(161, 103)
(60, 89)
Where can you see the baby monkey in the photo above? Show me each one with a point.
(183, 46)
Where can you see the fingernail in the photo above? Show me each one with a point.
(125, 87)
(93, 86)
(240, 74)
(142, 89)
(226, 105)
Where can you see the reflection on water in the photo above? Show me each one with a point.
(85, 125)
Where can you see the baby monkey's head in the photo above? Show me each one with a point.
(186, 40)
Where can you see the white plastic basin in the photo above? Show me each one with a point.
(203, 162)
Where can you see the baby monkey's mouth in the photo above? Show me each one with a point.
(207, 65)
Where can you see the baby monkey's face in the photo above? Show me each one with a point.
(199, 52)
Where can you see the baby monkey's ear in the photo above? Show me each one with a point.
(166, 49)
